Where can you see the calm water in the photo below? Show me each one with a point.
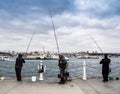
(93, 67)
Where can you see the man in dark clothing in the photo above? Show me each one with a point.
(62, 66)
(105, 67)
(18, 66)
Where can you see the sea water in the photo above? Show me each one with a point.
(75, 68)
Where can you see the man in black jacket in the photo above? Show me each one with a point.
(18, 66)
(62, 66)
(105, 67)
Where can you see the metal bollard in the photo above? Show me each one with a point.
(84, 71)
(41, 69)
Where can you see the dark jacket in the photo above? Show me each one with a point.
(105, 65)
(62, 63)
(19, 62)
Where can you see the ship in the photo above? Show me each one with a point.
(87, 57)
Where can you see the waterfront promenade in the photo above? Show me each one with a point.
(50, 86)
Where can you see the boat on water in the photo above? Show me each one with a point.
(87, 57)
(4, 58)
(39, 58)
(43, 57)
(56, 57)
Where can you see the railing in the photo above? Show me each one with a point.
(77, 69)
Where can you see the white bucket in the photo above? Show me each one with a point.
(33, 78)
(2, 78)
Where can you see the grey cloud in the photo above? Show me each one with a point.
(25, 6)
(100, 8)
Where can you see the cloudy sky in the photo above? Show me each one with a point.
(76, 21)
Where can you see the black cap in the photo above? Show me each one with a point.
(20, 55)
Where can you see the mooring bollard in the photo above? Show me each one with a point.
(41, 76)
(41, 70)
(84, 71)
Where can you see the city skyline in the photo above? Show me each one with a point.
(76, 23)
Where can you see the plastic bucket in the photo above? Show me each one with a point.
(33, 78)
(2, 78)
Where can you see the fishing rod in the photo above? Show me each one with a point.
(54, 31)
(30, 41)
(96, 43)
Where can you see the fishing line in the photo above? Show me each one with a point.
(54, 31)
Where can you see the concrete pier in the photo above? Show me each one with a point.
(50, 86)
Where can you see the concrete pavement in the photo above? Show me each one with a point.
(50, 86)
